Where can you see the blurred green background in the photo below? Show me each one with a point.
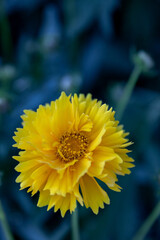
(81, 46)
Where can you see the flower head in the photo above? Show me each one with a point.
(65, 147)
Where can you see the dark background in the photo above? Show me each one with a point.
(81, 46)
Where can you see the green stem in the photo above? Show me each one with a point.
(74, 222)
(74, 45)
(3, 221)
(148, 223)
(5, 33)
(128, 91)
(70, 11)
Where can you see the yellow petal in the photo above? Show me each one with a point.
(100, 156)
(52, 183)
(97, 139)
(40, 172)
(63, 203)
(115, 140)
(65, 183)
(110, 178)
(116, 188)
(44, 198)
(94, 196)
(52, 201)
(73, 203)
(26, 183)
(85, 124)
(25, 166)
(63, 116)
(40, 176)
(25, 155)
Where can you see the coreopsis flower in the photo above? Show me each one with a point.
(65, 146)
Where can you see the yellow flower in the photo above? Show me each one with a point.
(65, 147)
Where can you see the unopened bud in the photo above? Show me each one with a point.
(7, 72)
(4, 105)
(70, 82)
(143, 60)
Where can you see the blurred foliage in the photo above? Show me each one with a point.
(81, 46)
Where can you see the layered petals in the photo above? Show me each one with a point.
(94, 196)
(65, 147)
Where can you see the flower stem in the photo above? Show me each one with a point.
(128, 91)
(5, 33)
(75, 229)
(148, 223)
(4, 225)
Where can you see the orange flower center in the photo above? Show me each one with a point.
(73, 145)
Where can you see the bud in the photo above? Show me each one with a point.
(22, 84)
(144, 60)
(70, 82)
(4, 105)
(7, 73)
